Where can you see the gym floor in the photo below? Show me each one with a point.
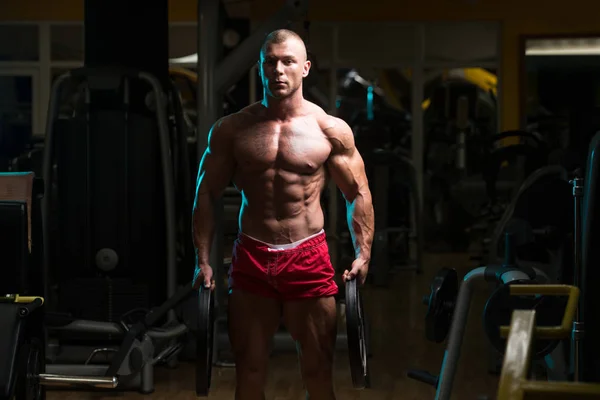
(398, 344)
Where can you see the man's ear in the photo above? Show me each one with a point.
(306, 69)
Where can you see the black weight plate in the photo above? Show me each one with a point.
(31, 364)
(442, 299)
(204, 341)
(357, 341)
(499, 309)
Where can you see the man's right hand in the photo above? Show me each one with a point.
(203, 276)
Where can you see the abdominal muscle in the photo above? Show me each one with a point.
(281, 207)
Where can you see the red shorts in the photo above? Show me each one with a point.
(304, 271)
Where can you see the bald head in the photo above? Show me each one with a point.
(283, 64)
(284, 35)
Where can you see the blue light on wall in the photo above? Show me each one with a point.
(370, 114)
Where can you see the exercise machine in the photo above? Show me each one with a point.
(522, 336)
(26, 368)
(505, 185)
(111, 246)
(557, 177)
(448, 306)
(448, 309)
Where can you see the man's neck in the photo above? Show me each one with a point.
(284, 109)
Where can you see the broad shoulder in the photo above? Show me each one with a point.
(336, 130)
(231, 123)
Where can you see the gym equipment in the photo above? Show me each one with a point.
(462, 200)
(440, 304)
(531, 147)
(15, 252)
(578, 326)
(514, 383)
(589, 275)
(104, 235)
(357, 337)
(382, 163)
(584, 352)
(24, 367)
(20, 246)
(499, 308)
(549, 226)
(528, 211)
(205, 342)
(24, 321)
(529, 154)
(506, 274)
(119, 113)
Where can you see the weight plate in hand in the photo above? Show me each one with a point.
(499, 309)
(357, 341)
(204, 341)
(441, 302)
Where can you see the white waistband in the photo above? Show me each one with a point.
(286, 246)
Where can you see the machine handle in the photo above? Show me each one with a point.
(15, 298)
(514, 384)
(548, 332)
(103, 382)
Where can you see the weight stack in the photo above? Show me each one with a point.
(111, 244)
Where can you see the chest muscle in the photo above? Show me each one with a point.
(298, 149)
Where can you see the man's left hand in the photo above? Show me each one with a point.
(359, 270)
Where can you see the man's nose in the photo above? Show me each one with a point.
(279, 67)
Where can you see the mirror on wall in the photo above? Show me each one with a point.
(561, 94)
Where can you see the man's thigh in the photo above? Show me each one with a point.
(252, 320)
(312, 322)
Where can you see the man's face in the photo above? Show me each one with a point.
(282, 67)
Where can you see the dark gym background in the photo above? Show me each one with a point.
(397, 82)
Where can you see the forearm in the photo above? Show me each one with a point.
(203, 226)
(361, 222)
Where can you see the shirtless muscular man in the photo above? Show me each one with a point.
(279, 153)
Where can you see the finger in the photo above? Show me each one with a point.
(197, 282)
(212, 286)
(345, 275)
(207, 281)
(351, 275)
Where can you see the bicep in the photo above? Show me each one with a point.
(217, 165)
(347, 169)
